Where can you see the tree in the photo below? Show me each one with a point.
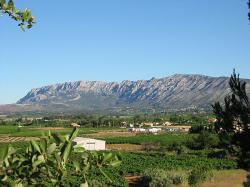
(233, 120)
(23, 17)
(234, 117)
(249, 9)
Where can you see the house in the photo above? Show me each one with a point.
(137, 130)
(153, 130)
(131, 125)
(178, 128)
(90, 144)
(75, 125)
(148, 124)
(167, 123)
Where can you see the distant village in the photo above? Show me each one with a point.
(154, 127)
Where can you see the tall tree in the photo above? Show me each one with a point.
(233, 120)
(234, 116)
(23, 17)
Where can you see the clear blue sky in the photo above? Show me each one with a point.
(112, 40)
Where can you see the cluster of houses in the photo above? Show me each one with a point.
(156, 128)
(145, 130)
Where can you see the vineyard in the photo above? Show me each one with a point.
(134, 164)
(162, 139)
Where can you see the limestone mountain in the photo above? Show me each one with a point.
(174, 92)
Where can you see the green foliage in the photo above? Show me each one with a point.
(197, 129)
(143, 161)
(157, 178)
(23, 17)
(46, 162)
(161, 139)
(199, 175)
(234, 118)
(31, 131)
(205, 140)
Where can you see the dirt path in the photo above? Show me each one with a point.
(105, 134)
(8, 139)
(48, 128)
(124, 147)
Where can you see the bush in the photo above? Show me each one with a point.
(205, 140)
(199, 175)
(162, 178)
(196, 129)
(218, 154)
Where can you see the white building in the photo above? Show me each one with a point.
(178, 128)
(75, 125)
(90, 144)
(154, 130)
(137, 130)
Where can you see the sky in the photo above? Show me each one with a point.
(115, 40)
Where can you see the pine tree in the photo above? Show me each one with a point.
(233, 120)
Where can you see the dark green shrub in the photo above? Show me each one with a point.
(218, 154)
(205, 140)
(178, 179)
(199, 175)
(196, 129)
(162, 178)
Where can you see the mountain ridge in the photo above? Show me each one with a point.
(174, 92)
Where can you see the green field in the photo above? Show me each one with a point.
(162, 139)
(32, 131)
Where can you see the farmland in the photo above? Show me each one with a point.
(140, 152)
(132, 149)
(162, 139)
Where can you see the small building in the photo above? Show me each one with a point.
(148, 124)
(153, 130)
(131, 125)
(90, 144)
(137, 130)
(167, 123)
(75, 125)
(178, 128)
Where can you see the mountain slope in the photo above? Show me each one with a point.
(174, 92)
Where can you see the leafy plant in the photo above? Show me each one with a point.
(199, 175)
(162, 178)
(46, 161)
(24, 17)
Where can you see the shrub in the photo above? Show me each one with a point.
(218, 154)
(196, 129)
(205, 140)
(162, 178)
(199, 175)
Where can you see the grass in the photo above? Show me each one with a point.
(224, 178)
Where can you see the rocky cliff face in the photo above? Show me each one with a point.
(174, 92)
